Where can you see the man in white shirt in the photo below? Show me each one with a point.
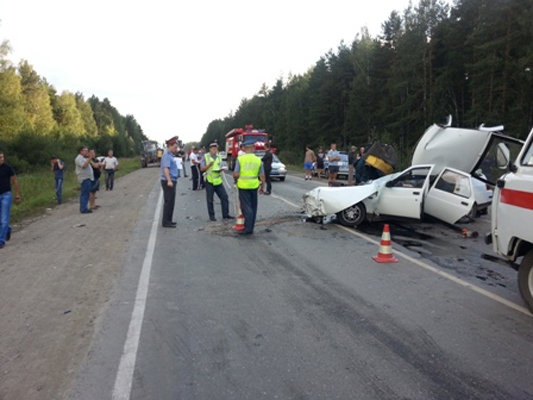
(179, 162)
(195, 168)
(110, 164)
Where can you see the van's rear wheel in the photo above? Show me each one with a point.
(525, 279)
(352, 216)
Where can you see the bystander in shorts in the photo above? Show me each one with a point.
(333, 169)
(95, 185)
(308, 165)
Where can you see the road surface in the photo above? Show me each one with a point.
(301, 311)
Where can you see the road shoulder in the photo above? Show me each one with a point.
(56, 275)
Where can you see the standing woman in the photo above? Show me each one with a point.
(95, 184)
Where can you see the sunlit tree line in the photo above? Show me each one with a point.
(36, 121)
(473, 60)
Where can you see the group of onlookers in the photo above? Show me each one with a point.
(333, 156)
(88, 170)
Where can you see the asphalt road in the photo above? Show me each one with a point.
(301, 311)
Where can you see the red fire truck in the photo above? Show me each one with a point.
(236, 137)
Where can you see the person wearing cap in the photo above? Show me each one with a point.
(249, 175)
(169, 179)
(211, 165)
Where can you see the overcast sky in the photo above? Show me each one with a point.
(178, 65)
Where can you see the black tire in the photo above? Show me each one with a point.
(525, 279)
(282, 179)
(352, 216)
(472, 214)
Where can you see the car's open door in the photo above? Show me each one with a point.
(403, 196)
(451, 196)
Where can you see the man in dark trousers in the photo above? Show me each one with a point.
(249, 175)
(267, 166)
(352, 157)
(195, 169)
(59, 176)
(212, 166)
(7, 177)
(169, 179)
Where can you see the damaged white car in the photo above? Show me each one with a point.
(432, 187)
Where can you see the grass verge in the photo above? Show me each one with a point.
(38, 193)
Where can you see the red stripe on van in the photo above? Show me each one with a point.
(517, 198)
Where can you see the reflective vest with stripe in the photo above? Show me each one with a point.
(250, 166)
(213, 177)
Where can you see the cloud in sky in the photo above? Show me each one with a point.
(178, 65)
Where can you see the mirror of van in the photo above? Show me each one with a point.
(503, 155)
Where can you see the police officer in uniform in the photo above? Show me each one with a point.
(249, 175)
(211, 165)
(169, 179)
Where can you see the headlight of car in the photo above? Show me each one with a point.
(282, 169)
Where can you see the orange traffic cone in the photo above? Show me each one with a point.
(239, 225)
(385, 250)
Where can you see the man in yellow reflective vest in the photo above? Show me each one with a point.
(211, 165)
(249, 175)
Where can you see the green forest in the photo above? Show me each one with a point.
(472, 60)
(37, 122)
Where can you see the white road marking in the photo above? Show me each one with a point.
(446, 275)
(422, 264)
(124, 379)
(285, 200)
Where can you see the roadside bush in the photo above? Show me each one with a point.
(20, 166)
(291, 157)
(29, 151)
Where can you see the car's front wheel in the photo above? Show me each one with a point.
(352, 216)
(282, 178)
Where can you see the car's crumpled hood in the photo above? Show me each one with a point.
(322, 201)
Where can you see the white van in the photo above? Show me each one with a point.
(512, 215)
